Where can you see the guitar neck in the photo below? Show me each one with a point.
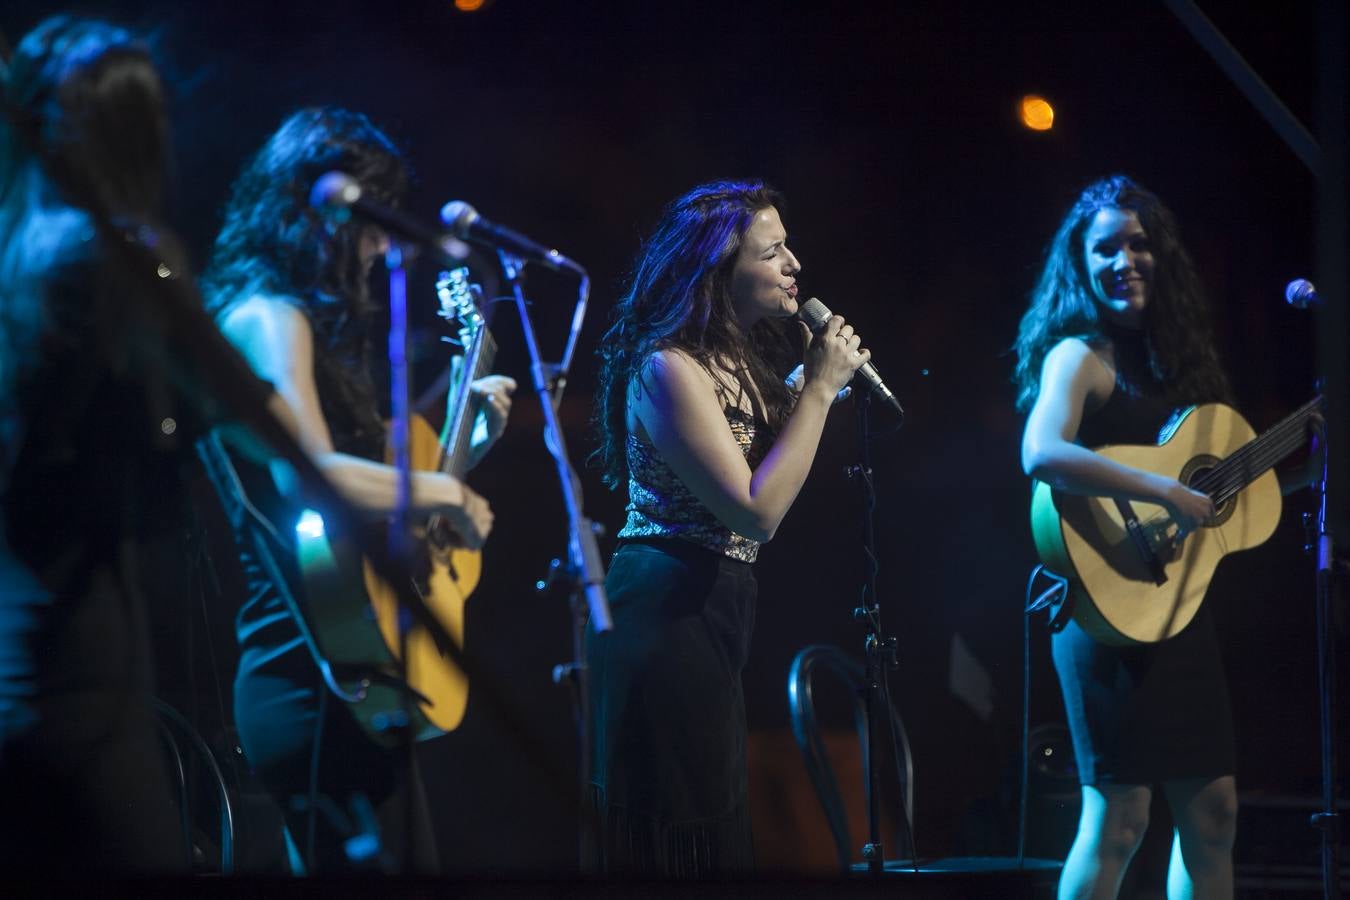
(457, 439)
(1259, 455)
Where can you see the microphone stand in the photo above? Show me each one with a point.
(1327, 821)
(400, 540)
(584, 572)
(400, 393)
(391, 567)
(880, 655)
(1325, 158)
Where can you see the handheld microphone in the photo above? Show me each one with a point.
(1302, 294)
(815, 314)
(464, 222)
(340, 193)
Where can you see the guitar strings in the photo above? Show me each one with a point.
(1268, 449)
(1235, 472)
(1253, 459)
(1247, 464)
(1285, 438)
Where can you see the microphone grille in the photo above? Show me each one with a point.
(459, 217)
(814, 313)
(1300, 293)
(334, 190)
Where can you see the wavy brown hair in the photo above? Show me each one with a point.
(679, 298)
(1178, 335)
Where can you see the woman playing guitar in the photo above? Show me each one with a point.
(1116, 336)
(289, 288)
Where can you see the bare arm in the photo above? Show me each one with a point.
(278, 342)
(1071, 378)
(677, 406)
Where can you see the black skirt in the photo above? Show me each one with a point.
(669, 792)
(1150, 713)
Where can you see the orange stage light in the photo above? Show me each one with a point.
(1036, 112)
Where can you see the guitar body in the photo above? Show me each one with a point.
(339, 614)
(349, 595)
(1115, 596)
(454, 573)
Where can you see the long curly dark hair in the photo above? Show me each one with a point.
(85, 114)
(1178, 336)
(87, 94)
(679, 298)
(274, 242)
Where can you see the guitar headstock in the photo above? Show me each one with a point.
(459, 303)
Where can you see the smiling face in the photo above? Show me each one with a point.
(1119, 263)
(764, 277)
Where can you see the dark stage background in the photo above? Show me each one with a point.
(919, 207)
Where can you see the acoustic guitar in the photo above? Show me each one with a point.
(355, 614)
(1131, 580)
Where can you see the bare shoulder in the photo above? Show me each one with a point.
(265, 319)
(670, 373)
(1073, 361)
(1072, 352)
(263, 311)
(272, 332)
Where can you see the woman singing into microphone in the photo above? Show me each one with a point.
(714, 448)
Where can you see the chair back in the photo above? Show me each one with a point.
(806, 730)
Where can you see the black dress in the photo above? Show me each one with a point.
(332, 782)
(669, 793)
(1143, 715)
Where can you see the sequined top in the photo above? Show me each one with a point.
(659, 504)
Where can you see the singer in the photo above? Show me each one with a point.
(695, 418)
(1116, 337)
(290, 289)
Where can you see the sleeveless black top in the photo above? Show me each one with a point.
(660, 505)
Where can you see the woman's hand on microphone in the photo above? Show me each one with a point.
(796, 380)
(833, 354)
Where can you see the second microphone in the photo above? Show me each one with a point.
(466, 224)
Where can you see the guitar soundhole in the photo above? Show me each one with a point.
(1194, 473)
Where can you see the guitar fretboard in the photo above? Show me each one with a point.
(455, 458)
